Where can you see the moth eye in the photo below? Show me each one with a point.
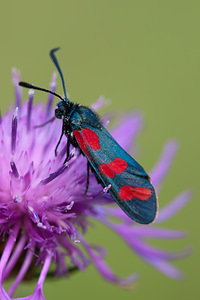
(58, 113)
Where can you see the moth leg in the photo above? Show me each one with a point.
(68, 148)
(88, 177)
(59, 142)
(47, 122)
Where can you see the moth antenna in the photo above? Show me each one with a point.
(31, 86)
(55, 61)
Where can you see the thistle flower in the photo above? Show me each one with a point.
(43, 212)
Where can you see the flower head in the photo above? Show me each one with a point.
(43, 212)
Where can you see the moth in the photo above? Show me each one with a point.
(129, 185)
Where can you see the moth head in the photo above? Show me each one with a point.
(61, 109)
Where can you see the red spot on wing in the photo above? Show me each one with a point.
(106, 170)
(81, 141)
(118, 165)
(91, 138)
(127, 192)
(142, 193)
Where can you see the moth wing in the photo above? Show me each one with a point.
(130, 185)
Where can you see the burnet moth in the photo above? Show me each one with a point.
(127, 182)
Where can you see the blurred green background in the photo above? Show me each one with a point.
(139, 54)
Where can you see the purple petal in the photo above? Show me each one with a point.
(18, 90)
(127, 130)
(15, 256)
(100, 103)
(161, 169)
(37, 295)
(103, 268)
(61, 266)
(148, 253)
(30, 102)
(77, 256)
(118, 213)
(14, 131)
(55, 174)
(22, 272)
(8, 249)
(14, 169)
(152, 232)
(165, 268)
(171, 209)
(3, 294)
